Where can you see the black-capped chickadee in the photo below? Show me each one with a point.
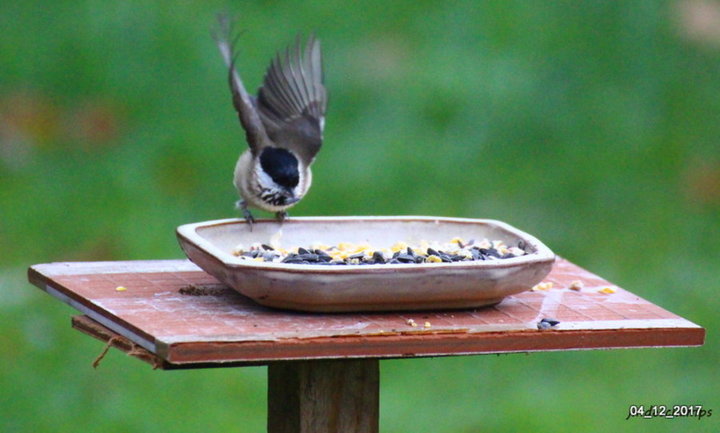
(283, 124)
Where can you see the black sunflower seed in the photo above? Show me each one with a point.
(322, 256)
(547, 323)
(468, 252)
(405, 258)
(295, 259)
(269, 256)
(490, 252)
(308, 257)
(378, 257)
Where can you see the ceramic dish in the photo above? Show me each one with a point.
(322, 288)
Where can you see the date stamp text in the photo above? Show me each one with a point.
(668, 411)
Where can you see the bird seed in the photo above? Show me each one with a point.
(347, 253)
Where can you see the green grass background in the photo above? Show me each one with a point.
(593, 125)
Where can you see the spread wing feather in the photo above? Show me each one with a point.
(244, 104)
(292, 99)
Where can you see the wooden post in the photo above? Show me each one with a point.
(328, 396)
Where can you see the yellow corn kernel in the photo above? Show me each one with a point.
(344, 246)
(397, 246)
(576, 285)
(361, 248)
(238, 250)
(499, 245)
(607, 290)
(120, 288)
(545, 285)
(422, 248)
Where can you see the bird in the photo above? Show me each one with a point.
(283, 124)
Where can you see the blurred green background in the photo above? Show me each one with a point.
(593, 125)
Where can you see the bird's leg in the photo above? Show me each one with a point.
(242, 206)
(281, 215)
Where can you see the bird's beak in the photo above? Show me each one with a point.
(290, 197)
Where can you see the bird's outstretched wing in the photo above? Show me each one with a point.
(292, 99)
(255, 131)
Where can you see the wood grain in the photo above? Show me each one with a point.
(184, 316)
(330, 396)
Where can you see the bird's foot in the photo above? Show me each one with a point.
(242, 206)
(281, 216)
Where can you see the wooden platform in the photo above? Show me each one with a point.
(174, 315)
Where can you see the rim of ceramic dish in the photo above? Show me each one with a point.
(188, 233)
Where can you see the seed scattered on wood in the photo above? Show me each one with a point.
(545, 285)
(547, 323)
(203, 290)
(576, 285)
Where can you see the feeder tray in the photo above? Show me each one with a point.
(381, 287)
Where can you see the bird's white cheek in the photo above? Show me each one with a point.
(263, 178)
